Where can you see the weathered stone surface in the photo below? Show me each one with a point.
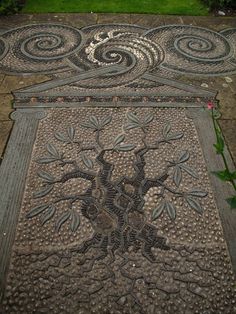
(168, 19)
(113, 18)
(11, 21)
(228, 129)
(5, 128)
(1, 78)
(5, 106)
(11, 82)
(147, 20)
(188, 20)
(228, 105)
(74, 19)
(216, 23)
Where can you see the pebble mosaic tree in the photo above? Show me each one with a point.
(115, 209)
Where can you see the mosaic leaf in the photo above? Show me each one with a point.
(131, 125)
(133, 118)
(75, 222)
(177, 176)
(197, 193)
(171, 210)
(175, 136)
(194, 204)
(105, 121)
(148, 118)
(61, 137)
(94, 121)
(48, 214)
(36, 210)
(88, 125)
(184, 156)
(87, 161)
(43, 192)
(158, 210)
(64, 217)
(125, 147)
(166, 130)
(71, 132)
(189, 170)
(46, 176)
(53, 150)
(46, 159)
(120, 138)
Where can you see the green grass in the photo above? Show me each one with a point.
(180, 7)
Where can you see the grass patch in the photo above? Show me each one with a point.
(175, 7)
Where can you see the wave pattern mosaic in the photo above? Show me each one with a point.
(178, 48)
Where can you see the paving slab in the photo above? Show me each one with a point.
(172, 19)
(108, 202)
(228, 128)
(227, 105)
(10, 82)
(15, 20)
(1, 78)
(216, 23)
(113, 18)
(5, 106)
(75, 19)
(147, 20)
(188, 20)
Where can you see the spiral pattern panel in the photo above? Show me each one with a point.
(133, 54)
(193, 50)
(40, 48)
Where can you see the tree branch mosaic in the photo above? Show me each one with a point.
(115, 209)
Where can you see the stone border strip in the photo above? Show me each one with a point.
(13, 173)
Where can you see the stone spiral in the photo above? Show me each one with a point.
(193, 50)
(44, 47)
(40, 48)
(200, 48)
(132, 53)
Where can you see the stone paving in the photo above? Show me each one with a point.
(108, 201)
